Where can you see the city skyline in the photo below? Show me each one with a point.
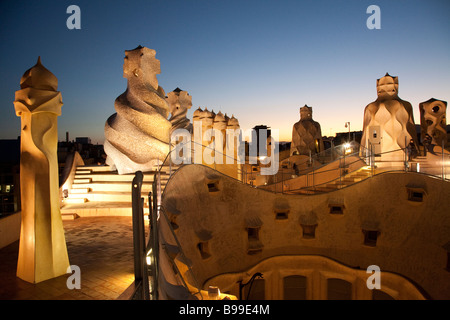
(259, 61)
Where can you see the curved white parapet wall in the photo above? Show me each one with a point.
(391, 221)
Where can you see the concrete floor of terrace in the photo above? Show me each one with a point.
(103, 249)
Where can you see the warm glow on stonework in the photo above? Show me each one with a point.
(260, 151)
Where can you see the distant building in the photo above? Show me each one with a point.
(91, 154)
(83, 140)
(343, 137)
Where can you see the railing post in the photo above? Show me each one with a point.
(154, 245)
(443, 159)
(406, 156)
(170, 155)
(140, 265)
(158, 191)
(372, 159)
(313, 180)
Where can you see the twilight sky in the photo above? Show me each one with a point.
(259, 60)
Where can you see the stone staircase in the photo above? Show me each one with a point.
(349, 179)
(97, 191)
(432, 165)
(421, 163)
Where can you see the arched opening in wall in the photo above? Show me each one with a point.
(255, 291)
(213, 186)
(448, 261)
(253, 227)
(416, 194)
(254, 245)
(281, 214)
(294, 287)
(371, 237)
(309, 231)
(446, 247)
(203, 248)
(338, 289)
(173, 222)
(381, 295)
(336, 208)
(253, 234)
(317, 145)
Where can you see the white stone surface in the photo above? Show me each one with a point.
(137, 136)
(393, 118)
(179, 103)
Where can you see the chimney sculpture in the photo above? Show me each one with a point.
(42, 249)
(137, 136)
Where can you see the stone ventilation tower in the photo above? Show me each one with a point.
(208, 120)
(220, 128)
(233, 131)
(306, 134)
(433, 123)
(137, 136)
(219, 138)
(388, 122)
(179, 103)
(42, 249)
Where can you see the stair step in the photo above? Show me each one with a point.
(83, 171)
(324, 189)
(79, 190)
(75, 200)
(95, 168)
(84, 180)
(69, 216)
(342, 183)
(105, 196)
(107, 169)
(359, 176)
(116, 186)
(116, 177)
(317, 190)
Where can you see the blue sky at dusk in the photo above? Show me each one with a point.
(259, 60)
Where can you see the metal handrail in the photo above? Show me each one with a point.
(153, 247)
(336, 153)
(140, 264)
